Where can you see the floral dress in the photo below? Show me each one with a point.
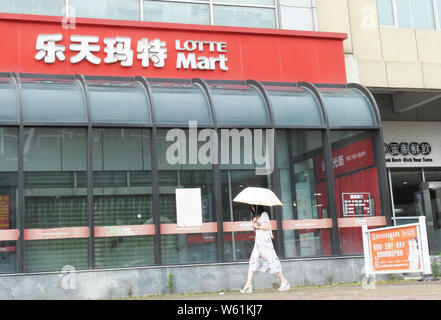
(264, 258)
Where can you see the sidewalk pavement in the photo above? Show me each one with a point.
(397, 290)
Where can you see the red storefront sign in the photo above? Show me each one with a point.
(349, 158)
(40, 44)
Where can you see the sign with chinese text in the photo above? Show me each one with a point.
(119, 50)
(412, 144)
(356, 204)
(40, 45)
(4, 211)
(346, 159)
(398, 249)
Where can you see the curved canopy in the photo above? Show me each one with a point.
(77, 100)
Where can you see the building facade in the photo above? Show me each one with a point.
(110, 107)
(393, 48)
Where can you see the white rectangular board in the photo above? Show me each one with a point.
(189, 207)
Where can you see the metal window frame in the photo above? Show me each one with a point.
(275, 177)
(213, 2)
(379, 152)
(20, 196)
(89, 173)
(329, 171)
(216, 173)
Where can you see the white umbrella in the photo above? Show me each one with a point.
(258, 196)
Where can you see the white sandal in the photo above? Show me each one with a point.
(284, 286)
(247, 290)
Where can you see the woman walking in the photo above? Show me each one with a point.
(263, 258)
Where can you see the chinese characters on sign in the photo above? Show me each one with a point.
(4, 212)
(119, 50)
(409, 152)
(356, 204)
(396, 249)
(339, 161)
(404, 148)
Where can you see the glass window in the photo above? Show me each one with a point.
(238, 105)
(415, 14)
(121, 149)
(431, 197)
(8, 149)
(56, 215)
(118, 102)
(432, 174)
(178, 245)
(306, 222)
(178, 104)
(106, 9)
(8, 200)
(438, 4)
(240, 168)
(250, 2)
(347, 107)
(53, 101)
(124, 228)
(8, 101)
(197, 246)
(294, 107)
(244, 16)
(238, 238)
(44, 7)
(163, 11)
(404, 12)
(53, 149)
(385, 12)
(356, 186)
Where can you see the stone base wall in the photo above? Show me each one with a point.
(119, 283)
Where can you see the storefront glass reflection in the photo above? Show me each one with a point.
(406, 189)
(56, 216)
(239, 244)
(181, 245)
(8, 198)
(305, 215)
(123, 212)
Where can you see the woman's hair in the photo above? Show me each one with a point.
(259, 210)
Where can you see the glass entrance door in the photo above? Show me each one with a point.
(407, 200)
(431, 196)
